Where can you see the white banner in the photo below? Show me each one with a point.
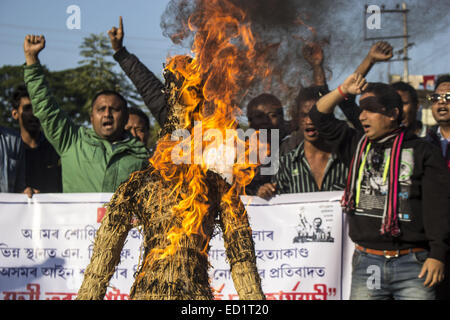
(46, 243)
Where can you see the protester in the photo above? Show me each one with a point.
(311, 166)
(314, 56)
(42, 163)
(150, 88)
(93, 160)
(12, 161)
(440, 133)
(138, 124)
(410, 106)
(396, 197)
(379, 52)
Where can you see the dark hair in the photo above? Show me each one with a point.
(19, 93)
(442, 79)
(265, 99)
(304, 95)
(108, 92)
(141, 114)
(403, 86)
(388, 97)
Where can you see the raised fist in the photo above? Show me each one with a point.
(354, 84)
(313, 53)
(116, 36)
(380, 51)
(32, 46)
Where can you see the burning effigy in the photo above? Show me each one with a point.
(178, 201)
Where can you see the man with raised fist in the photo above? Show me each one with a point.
(396, 197)
(93, 160)
(150, 88)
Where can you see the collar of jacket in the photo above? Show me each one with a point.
(128, 143)
(432, 134)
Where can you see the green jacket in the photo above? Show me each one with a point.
(89, 163)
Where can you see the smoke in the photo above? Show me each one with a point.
(282, 28)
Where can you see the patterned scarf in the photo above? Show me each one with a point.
(390, 215)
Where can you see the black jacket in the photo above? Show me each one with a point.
(150, 88)
(433, 137)
(427, 193)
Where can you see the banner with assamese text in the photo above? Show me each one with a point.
(46, 244)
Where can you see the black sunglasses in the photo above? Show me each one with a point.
(436, 97)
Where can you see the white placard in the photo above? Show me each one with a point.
(46, 243)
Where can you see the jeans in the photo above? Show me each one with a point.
(379, 278)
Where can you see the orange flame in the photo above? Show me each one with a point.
(223, 66)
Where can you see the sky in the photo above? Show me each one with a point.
(143, 36)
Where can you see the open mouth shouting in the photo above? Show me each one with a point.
(366, 127)
(311, 131)
(442, 111)
(108, 124)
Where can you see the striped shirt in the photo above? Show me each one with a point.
(294, 174)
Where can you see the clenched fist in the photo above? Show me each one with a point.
(32, 46)
(116, 36)
(313, 54)
(380, 51)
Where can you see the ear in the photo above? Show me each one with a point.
(395, 113)
(15, 114)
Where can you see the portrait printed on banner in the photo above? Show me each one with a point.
(313, 227)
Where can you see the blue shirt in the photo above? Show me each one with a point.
(12, 161)
(444, 142)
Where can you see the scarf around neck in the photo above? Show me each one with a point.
(389, 223)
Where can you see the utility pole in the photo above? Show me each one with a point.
(405, 44)
(404, 51)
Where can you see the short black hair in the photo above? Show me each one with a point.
(442, 79)
(19, 93)
(108, 92)
(403, 86)
(141, 114)
(387, 96)
(264, 99)
(304, 95)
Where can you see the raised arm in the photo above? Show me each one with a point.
(313, 54)
(56, 124)
(380, 51)
(147, 84)
(337, 132)
(240, 248)
(353, 85)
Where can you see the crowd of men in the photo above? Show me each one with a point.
(395, 178)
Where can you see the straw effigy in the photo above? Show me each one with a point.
(148, 198)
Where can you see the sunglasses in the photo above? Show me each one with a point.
(436, 97)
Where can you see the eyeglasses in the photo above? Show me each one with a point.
(436, 97)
